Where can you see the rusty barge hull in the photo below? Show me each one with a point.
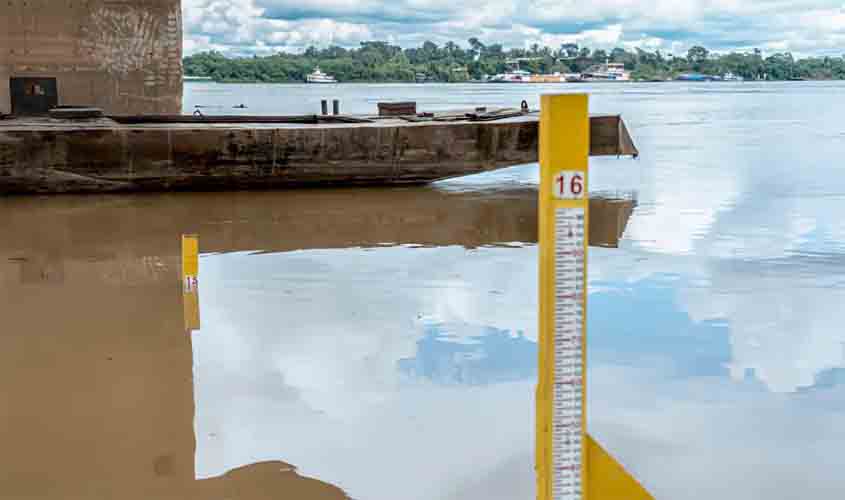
(103, 155)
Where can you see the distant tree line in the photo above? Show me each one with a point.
(382, 62)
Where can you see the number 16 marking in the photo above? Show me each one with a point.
(569, 184)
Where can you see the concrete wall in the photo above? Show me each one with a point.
(124, 56)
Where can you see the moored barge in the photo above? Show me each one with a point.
(199, 153)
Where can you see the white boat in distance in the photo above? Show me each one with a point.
(318, 76)
(515, 76)
(730, 77)
(607, 72)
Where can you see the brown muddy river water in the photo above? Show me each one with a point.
(380, 344)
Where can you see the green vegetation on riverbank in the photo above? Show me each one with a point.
(383, 62)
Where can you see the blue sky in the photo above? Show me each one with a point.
(244, 27)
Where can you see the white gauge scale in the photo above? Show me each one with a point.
(568, 395)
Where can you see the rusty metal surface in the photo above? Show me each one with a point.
(100, 155)
(211, 119)
(75, 113)
(397, 108)
(609, 137)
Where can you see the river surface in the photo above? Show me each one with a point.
(380, 344)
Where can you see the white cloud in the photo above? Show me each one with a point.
(249, 26)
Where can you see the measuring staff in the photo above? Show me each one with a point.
(570, 464)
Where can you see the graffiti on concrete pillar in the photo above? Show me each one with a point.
(127, 38)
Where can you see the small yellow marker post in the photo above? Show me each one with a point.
(190, 281)
(570, 465)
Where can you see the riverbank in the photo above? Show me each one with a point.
(380, 61)
(414, 82)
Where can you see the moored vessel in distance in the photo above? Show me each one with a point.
(696, 77)
(515, 76)
(520, 76)
(607, 72)
(550, 78)
(556, 77)
(318, 76)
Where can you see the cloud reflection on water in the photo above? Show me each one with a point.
(415, 356)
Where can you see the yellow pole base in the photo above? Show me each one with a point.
(607, 479)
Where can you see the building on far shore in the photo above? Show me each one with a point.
(124, 56)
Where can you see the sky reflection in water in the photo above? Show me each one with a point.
(715, 338)
(424, 354)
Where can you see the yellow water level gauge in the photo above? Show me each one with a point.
(570, 465)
